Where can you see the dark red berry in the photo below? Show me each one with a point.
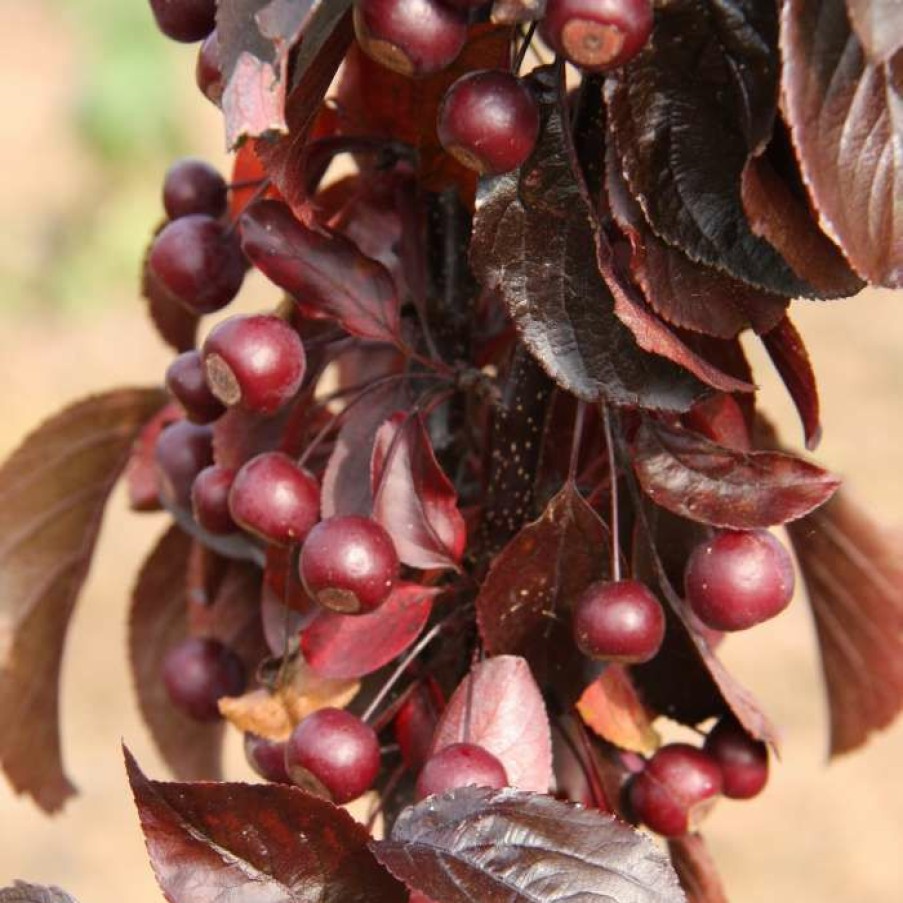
(460, 765)
(198, 672)
(193, 186)
(619, 621)
(489, 121)
(210, 499)
(187, 384)
(675, 790)
(348, 564)
(413, 37)
(185, 20)
(739, 579)
(199, 262)
(334, 754)
(267, 758)
(274, 498)
(255, 361)
(597, 34)
(743, 760)
(207, 72)
(182, 451)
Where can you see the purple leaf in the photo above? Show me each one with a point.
(878, 25)
(413, 499)
(696, 869)
(499, 706)
(53, 490)
(479, 844)
(853, 572)
(345, 646)
(845, 118)
(325, 271)
(20, 892)
(697, 479)
(209, 843)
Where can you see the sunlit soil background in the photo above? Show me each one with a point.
(93, 105)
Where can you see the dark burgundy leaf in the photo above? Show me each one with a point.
(499, 707)
(878, 25)
(525, 603)
(686, 115)
(534, 242)
(337, 645)
(175, 323)
(479, 844)
(788, 354)
(853, 571)
(325, 271)
(846, 120)
(412, 498)
(20, 892)
(211, 843)
(697, 479)
(696, 869)
(53, 490)
(510, 12)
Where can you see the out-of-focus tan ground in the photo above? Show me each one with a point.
(818, 834)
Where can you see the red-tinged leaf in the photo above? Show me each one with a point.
(525, 603)
(175, 323)
(722, 420)
(788, 354)
(534, 243)
(210, 843)
(499, 706)
(697, 479)
(696, 869)
(611, 707)
(53, 490)
(853, 572)
(683, 137)
(337, 645)
(20, 892)
(511, 12)
(479, 844)
(141, 475)
(846, 121)
(323, 270)
(412, 497)
(878, 25)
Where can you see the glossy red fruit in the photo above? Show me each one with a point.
(210, 499)
(489, 121)
(348, 564)
(187, 384)
(182, 451)
(739, 579)
(619, 621)
(675, 790)
(193, 186)
(267, 758)
(334, 754)
(255, 361)
(413, 37)
(275, 499)
(185, 20)
(743, 760)
(597, 34)
(207, 72)
(198, 672)
(460, 765)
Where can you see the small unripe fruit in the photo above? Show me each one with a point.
(198, 672)
(210, 499)
(193, 186)
(207, 72)
(460, 765)
(187, 384)
(182, 451)
(743, 760)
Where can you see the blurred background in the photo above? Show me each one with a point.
(95, 104)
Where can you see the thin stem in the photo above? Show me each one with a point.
(246, 183)
(522, 50)
(434, 364)
(576, 439)
(613, 479)
(261, 190)
(387, 791)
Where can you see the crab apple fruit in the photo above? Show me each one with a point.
(596, 35)
(207, 72)
(348, 564)
(413, 37)
(743, 760)
(333, 753)
(193, 186)
(186, 383)
(489, 121)
(275, 499)
(186, 21)
(210, 499)
(739, 579)
(675, 789)
(267, 758)
(618, 621)
(182, 451)
(198, 673)
(460, 765)
(199, 261)
(256, 361)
